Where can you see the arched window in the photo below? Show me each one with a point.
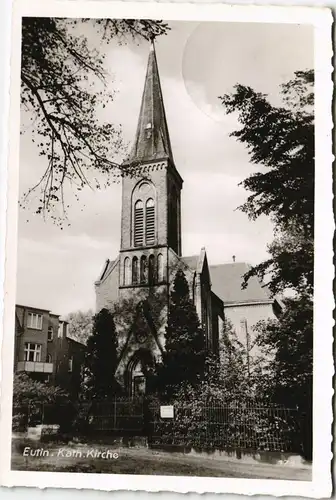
(49, 358)
(138, 223)
(151, 270)
(127, 271)
(160, 267)
(143, 269)
(172, 221)
(135, 273)
(150, 221)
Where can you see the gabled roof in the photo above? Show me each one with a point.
(142, 324)
(227, 281)
(191, 261)
(152, 140)
(19, 326)
(107, 268)
(198, 263)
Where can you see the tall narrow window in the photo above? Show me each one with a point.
(172, 223)
(245, 333)
(60, 330)
(143, 269)
(151, 270)
(127, 271)
(160, 267)
(135, 273)
(150, 222)
(138, 223)
(50, 333)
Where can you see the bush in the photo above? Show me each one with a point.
(29, 397)
(210, 422)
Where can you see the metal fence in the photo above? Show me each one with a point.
(248, 427)
(217, 426)
(116, 416)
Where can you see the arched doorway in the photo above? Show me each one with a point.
(137, 373)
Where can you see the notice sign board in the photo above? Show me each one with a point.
(167, 411)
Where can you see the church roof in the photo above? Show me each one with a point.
(191, 261)
(152, 138)
(226, 280)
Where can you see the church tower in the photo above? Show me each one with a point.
(136, 284)
(151, 195)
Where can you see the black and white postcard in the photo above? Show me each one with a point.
(167, 321)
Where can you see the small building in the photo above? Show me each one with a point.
(44, 350)
(243, 307)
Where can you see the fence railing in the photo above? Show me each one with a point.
(119, 415)
(228, 427)
(217, 426)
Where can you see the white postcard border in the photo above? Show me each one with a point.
(321, 19)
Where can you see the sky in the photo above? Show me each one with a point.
(198, 62)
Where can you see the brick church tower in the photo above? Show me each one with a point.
(151, 207)
(136, 285)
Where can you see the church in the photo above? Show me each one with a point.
(136, 285)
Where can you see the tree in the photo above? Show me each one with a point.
(80, 325)
(232, 376)
(281, 140)
(185, 351)
(288, 345)
(101, 358)
(290, 339)
(63, 86)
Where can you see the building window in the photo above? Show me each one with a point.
(135, 273)
(243, 326)
(60, 330)
(160, 267)
(151, 270)
(70, 364)
(143, 269)
(127, 271)
(35, 321)
(66, 329)
(150, 221)
(138, 223)
(49, 358)
(32, 352)
(50, 333)
(173, 221)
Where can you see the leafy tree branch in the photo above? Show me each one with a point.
(63, 86)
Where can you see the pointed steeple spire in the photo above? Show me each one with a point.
(152, 138)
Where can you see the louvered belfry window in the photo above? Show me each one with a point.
(150, 222)
(138, 224)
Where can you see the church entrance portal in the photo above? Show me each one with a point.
(138, 381)
(137, 373)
